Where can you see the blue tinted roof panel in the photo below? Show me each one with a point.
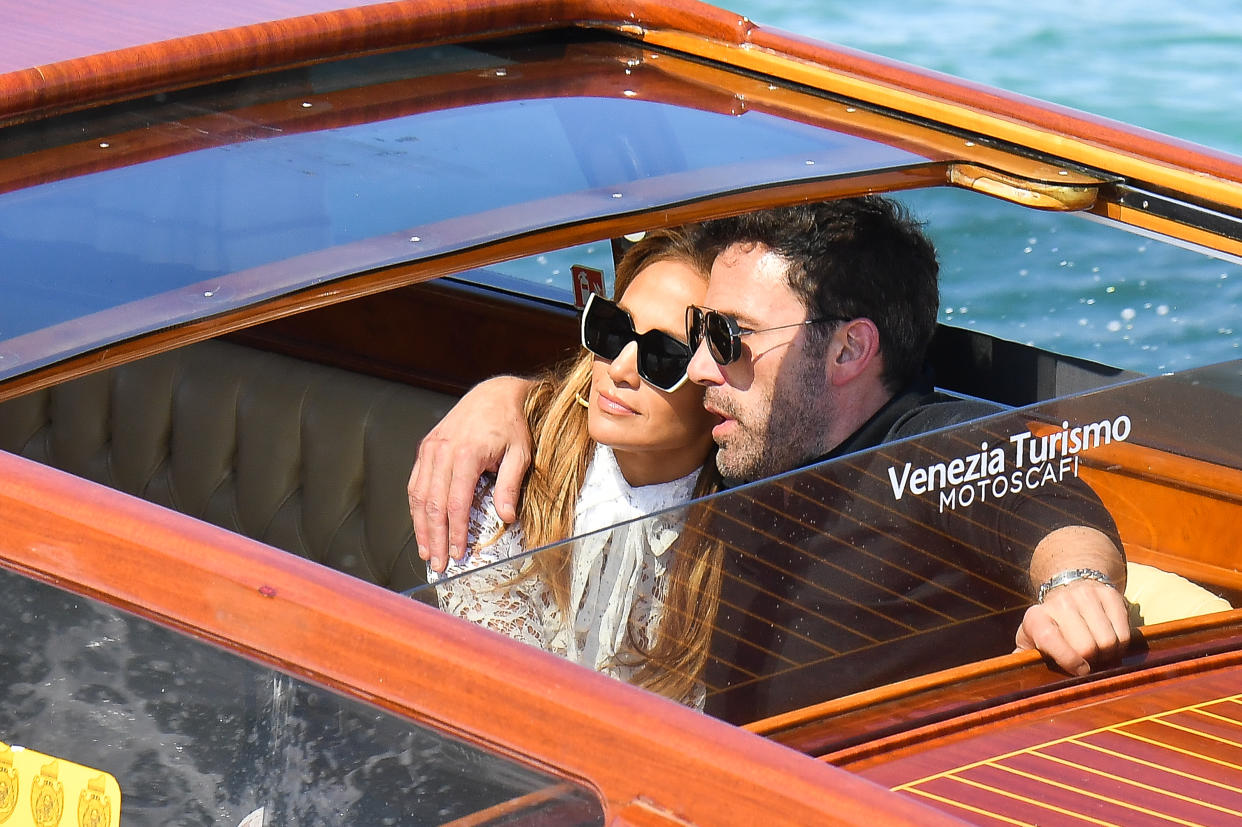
(450, 177)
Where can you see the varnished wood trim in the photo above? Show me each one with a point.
(913, 686)
(81, 80)
(683, 83)
(1161, 753)
(1218, 578)
(882, 750)
(260, 35)
(952, 701)
(587, 70)
(1164, 226)
(514, 806)
(1059, 131)
(1162, 467)
(437, 335)
(1027, 193)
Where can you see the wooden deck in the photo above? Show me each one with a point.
(1168, 754)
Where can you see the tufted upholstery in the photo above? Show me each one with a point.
(307, 458)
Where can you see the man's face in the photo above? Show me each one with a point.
(773, 399)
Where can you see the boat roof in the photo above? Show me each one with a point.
(257, 190)
(37, 36)
(385, 144)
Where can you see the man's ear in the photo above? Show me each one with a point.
(854, 351)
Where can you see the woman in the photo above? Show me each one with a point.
(618, 433)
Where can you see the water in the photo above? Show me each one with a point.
(1168, 66)
(1058, 281)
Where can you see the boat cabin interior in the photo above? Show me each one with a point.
(251, 258)
(301, 433)
(282, 393)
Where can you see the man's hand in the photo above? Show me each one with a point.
(485, 431)
(1083, 623)
(1079, 625)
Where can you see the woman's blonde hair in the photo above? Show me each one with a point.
(562, 450)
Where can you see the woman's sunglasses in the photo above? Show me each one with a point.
(724, 334)
(607, 329)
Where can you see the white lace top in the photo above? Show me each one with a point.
(615, 575)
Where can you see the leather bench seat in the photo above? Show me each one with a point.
(307, 458)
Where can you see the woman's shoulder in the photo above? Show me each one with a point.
(489, 539)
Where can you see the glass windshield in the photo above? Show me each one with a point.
(194, 735)
(563, 276)
(913, 556)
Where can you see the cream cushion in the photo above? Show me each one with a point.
(1157, 596)
(308, 458)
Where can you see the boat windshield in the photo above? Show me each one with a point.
(911, 557)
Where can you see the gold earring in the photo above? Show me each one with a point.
(582, 400)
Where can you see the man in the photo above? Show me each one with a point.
(836, 305)
(810, 345)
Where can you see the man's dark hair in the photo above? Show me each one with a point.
(852, 258)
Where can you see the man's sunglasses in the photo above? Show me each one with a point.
(724, 334)
(607, 329)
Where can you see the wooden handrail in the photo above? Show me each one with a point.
(58, 68)
(903, 713)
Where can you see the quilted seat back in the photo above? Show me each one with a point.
(307, 458)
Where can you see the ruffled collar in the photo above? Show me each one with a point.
(607, 569)
(607, 499)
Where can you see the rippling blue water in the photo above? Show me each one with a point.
(1058, 281)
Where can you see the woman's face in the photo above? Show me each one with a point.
(657, 436)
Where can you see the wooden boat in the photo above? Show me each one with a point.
(241, 244)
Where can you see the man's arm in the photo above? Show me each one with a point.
(1084, 621)
(485, 431)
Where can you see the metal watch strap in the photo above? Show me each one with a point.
(1069, 576)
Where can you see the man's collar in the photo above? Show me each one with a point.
(876, 429)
